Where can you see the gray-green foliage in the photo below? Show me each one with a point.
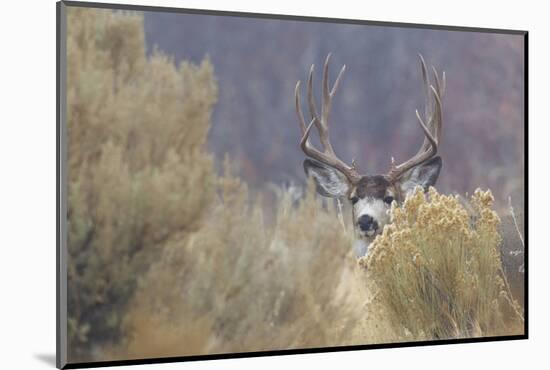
(138, 169)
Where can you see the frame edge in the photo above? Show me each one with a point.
(61, 201)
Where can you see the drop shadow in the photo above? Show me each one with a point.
(47, 358)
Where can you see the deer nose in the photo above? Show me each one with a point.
(367, 223)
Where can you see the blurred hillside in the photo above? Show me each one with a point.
(257, 63)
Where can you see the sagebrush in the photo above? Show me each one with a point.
(137, 165)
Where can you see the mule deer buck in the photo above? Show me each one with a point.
(370, 195)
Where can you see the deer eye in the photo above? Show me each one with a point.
(388, 199)
(354, 199)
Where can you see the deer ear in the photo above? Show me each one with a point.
(424, 175)
(329, 182)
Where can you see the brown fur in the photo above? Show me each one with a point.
(372, 186)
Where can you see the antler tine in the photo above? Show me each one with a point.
(301, 120)
(311, 100)
(328, 93)
(437, 92)
(325, 108)
(440, 84)
(327, 156)
(322, 123)
(430, 124)
(304, 144)
(428, 105)
(426, 86)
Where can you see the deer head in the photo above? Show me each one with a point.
(370, 195)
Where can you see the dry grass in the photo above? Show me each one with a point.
(272, 286)
(293, 283)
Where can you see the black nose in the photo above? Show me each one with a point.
(367, 223)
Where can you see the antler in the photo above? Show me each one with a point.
(432, 129)
(327, 156)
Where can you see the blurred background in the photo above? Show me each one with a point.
(258, 61)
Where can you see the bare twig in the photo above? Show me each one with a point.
(515, 221)
(341, 214)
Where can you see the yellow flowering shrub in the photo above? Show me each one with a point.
(436, 270)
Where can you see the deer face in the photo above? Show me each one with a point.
(371, 199)
(371, 196)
